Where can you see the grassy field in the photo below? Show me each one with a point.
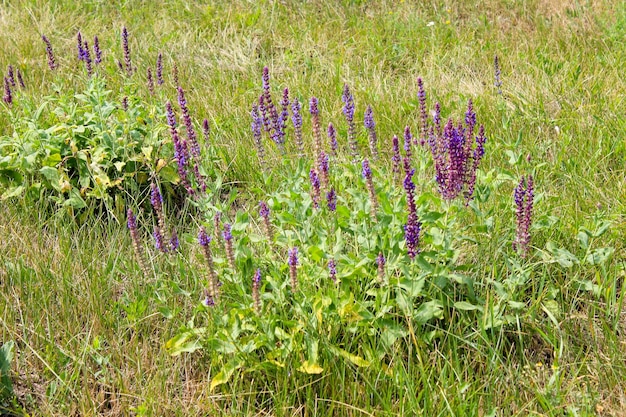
(90, 330)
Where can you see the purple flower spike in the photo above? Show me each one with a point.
(331, 199)
(11, 76)
(158, 239)
(264, 212)
(79, 44)
(52, 63)
(315, 188)
(268, 110)
(126, 48)
(20, 79)
(496, 66)
(313, 107)
(293, 265)
(396, 160)
(203, 238)
(366, 171)
(380, 261)
(87, 58)
(296, 118)
(131, 222)
(421, 96)
(523, 197)
(230, 252)
(206, 131)
(370, 125)
(257, 126)
(97, 51)
(159, 69)
(332, 269)
(227, 232)
(256, 284)
(174, 242)
(284, 115)
(348, 111)
(150, 81)
(8, 96)
(413, 227)
(191, 132)
(332, 137)
(367, 174)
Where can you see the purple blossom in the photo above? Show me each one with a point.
(97, 51)
(331, 199)
(256, 284)
(156, 199)
(366, 171)
(264, 210)
(150, 81)
(348, 111)
(296, 118)
(8, 96)
(126, 48)
(284, 115)
(191, 132)
(332, 269)
(87, 59)
(208, 300)
(324, 167)
(158, 239)
(313, 107)
(20, 79)
(268, 110)
(396, 158)
(180, 149)
(79, 44)
(227, 232)
(332, 137)
(174, 242)
(11, 76)
(52, 64)
(367, 174)
(370, 125)
(175, 74)
(159, 69)
(257, 125)
(125, 103)
(380, 262)
(131, 220)
(206, 131)
(315, 187)
(203, 239)
(523, 197)
(293, 265)
(496, 66)
(413, 227)
(421, 96)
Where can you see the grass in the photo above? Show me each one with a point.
(90, 332)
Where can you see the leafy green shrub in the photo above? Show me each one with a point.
(77, 148)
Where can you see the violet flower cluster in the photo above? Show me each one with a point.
(413, 227)
(456, 153)
(126, 48)
(159, 69)
(367, 175)
(523, 197)
(52, 63)
(315, 188)
(296, 118)
(348, 111)
(332, 138)
(181, 153)
(370, 125)
(293, 265)
(204, 240)
(332, 269)
(421, 96)
(264, 212)
(256, 285)
(230, 252)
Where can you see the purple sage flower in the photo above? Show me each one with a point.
(296, 118)
(257, 126)
(174, 242)
(150, 81)
(293, 265)
(230, 252)
(413, 226)
(332, 137)
(20, 79)
(11, 76)
(315, 188)
(8, 96)
(367, 174)
(52, 63)
(284, 115)
(131, 222)
(370, 125)
(175, 74)
(396, 159)
(332, 269)
(203, 238)
(180, 149)
(97, 51)
(256, 284)
(158, 239)
(87, 59)
(421, 96)
(264, 212)
(497, 82)
(523, 197)
(348, 111)
(191, 132)
(331, 200)
(380, 262)
(79, 44)
(159, 69)
(126, 48)
(206, 131)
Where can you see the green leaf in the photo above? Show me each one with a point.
(465, 306)
(309, 367)
(226, 373)
(6, 356)
(188, 341)
(428, 311)
(12, 192)
(599, 256)
(357, 360)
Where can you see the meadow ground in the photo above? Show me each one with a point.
(90, 332)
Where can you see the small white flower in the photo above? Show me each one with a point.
(431, 23)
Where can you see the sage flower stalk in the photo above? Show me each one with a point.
(52, 63)
(205, 240)
(256, 285)
(230, 252)
(296, 118)
(293, 268)
(523, 197)
(370, 125)
(367, 175)
(348, 111)
(131, 221)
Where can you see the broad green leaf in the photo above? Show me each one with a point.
(357, 360)
(465, 306)
(6, 356)
(226, 373)
(308, 367)
(599, 256)
(188, 341)
(12, 192)
(429, 310)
